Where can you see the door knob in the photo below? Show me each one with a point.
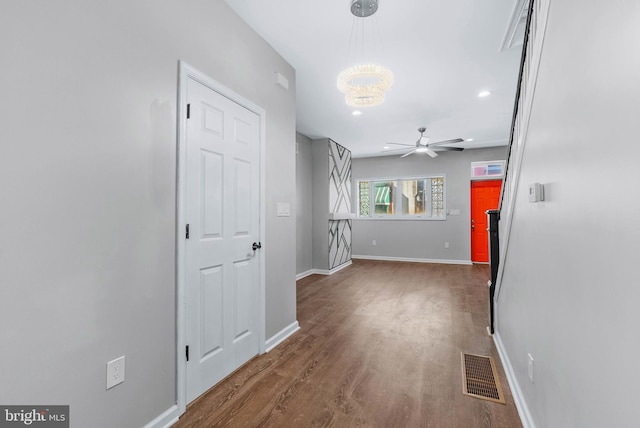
(256, 246)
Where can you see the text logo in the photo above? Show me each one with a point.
(34, 416)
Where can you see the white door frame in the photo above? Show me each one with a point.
(185, 72)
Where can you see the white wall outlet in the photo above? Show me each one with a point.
(115, 372)
(446, 245)
(530, 367)
(374, 243)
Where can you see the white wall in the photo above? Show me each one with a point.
(87, 187)
(304, 205)
(421, 239)
(570, 289)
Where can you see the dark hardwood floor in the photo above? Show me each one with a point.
(379, 346)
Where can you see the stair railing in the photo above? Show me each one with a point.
(529, 64)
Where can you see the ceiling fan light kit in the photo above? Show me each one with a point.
(364, 85)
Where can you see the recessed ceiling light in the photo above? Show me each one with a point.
(469, 139)
(483, 94)
(357, 113)
(386, 147)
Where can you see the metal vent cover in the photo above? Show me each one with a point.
(480, 378)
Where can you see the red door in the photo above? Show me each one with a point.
(485, 195)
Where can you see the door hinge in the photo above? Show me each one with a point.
(187, 352)
(188, 111)
(187, 234)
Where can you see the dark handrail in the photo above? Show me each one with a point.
(523, 58)
(493, 216)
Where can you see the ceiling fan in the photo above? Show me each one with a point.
(423, 145)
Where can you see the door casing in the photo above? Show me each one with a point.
(185, 72)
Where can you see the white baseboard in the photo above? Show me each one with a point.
(407, 259)
(280, 336)
(166, 419)
(305, 274)
(172, 414)
(323, 271)
(514, 385)
(334, 270)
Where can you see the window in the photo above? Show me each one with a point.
(384, 196)
(402, 199)
(413, 196)
(488, 169)
(364, 207)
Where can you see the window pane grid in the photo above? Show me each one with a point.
(364, 195)
(437, 196)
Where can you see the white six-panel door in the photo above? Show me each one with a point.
(222, 209)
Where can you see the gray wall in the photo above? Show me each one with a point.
(304, 204)
(320, 174)
(87, 184)
(570, 290)
(421, 239)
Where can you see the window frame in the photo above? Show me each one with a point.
(397, 202)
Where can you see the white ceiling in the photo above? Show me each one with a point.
(442, 54)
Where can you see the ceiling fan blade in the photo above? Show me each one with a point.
(455, 140)
(391, 150)
(400, 144)
(449, 149)
(431, 153)
(407, 154)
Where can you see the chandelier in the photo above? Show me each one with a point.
(364, 85)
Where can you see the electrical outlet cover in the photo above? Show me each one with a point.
(115, 372)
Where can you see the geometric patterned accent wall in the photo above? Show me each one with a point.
(339, 202)
(339, 242)
(339, 178)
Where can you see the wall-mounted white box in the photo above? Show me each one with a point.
(281, 81)
(536, 192)
(283, 209)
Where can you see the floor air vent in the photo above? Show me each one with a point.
(480, 379)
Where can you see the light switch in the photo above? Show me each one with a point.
(283, 209)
